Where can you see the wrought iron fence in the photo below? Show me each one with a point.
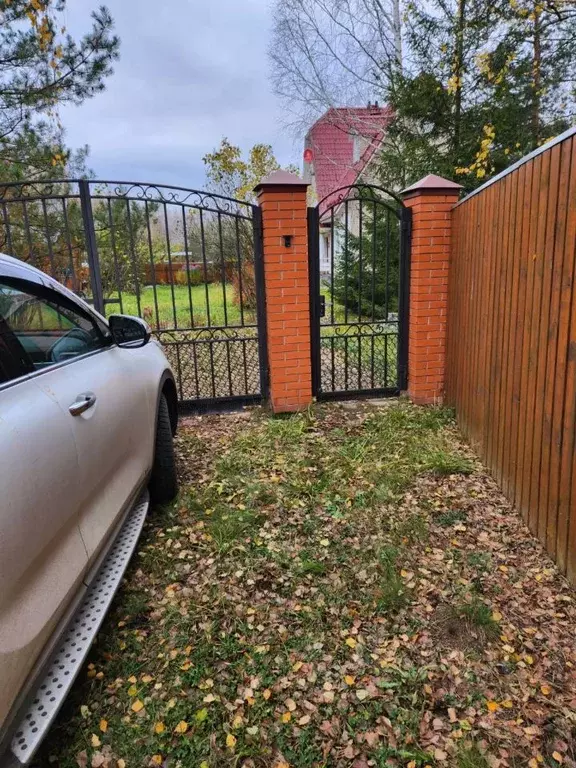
(359, 240)
(188, 262)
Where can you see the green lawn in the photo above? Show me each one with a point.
(166, 298)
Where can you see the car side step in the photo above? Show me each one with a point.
(78, 637)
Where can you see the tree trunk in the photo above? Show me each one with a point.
(536, 78)
(458, 69)
(397, 31)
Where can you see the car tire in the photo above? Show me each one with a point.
(163, 480)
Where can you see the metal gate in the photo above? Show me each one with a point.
(359, 247)
(188, 262)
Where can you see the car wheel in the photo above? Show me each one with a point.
(163, 481)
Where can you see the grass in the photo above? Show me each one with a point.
(285, 610)
(471, 757)
(182, 318)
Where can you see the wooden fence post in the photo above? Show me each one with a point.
(282, 199)
(431, 200)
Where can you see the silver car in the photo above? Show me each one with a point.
(88, 409)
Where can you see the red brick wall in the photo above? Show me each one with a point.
(287, 295)
(429, 263)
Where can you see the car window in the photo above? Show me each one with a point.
(47, 328)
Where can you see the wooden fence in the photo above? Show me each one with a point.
(511, 355)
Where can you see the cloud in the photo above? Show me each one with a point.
(189, 73)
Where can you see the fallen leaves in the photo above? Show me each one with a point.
(296, 589)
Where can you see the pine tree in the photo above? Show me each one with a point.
(367, 264)
(486, 84)
(41, 68)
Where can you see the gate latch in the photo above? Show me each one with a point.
(321, 305)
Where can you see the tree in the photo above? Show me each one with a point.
(328, 53)
(478, 84)
(229, 237)
(229, 174)
(367, 262)
(41, 68)
(486, 84)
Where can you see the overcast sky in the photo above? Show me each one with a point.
(190, 72)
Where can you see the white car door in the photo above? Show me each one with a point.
(42, 554)
(106, 406)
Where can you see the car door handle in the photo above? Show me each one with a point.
(82, 403)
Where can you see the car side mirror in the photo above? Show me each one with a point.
(128, 331)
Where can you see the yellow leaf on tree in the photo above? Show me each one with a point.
(493, 706)
(137, 706)
(95, 741)
(230, 741)
(103, 725)
(159, 728)
(182, 727)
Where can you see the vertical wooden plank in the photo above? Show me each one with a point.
(566, 534)
(484, 319)
(557, 349)
(528, 512)
(508, 235)
(528, 314)
(567, 427)
(518, 227)
(492, 455)
(473, 300)
(541, 449)
(449, 375)
(493, 333)
(465, 320)
(522, 259)
(571, 548)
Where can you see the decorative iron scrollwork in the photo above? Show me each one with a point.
(163, 193)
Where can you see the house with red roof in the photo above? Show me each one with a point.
(338, 151)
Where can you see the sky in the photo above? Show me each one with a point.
(190, 72)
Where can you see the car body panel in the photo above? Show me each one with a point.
(42, 555)
(66, 483)
(112, 437)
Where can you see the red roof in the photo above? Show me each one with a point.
(331, 140)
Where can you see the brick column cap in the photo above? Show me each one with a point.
(431, 184)
(278, 179)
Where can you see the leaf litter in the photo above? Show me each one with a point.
(344, 587)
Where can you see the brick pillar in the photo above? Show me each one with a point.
(431, 200)
(282, 199)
